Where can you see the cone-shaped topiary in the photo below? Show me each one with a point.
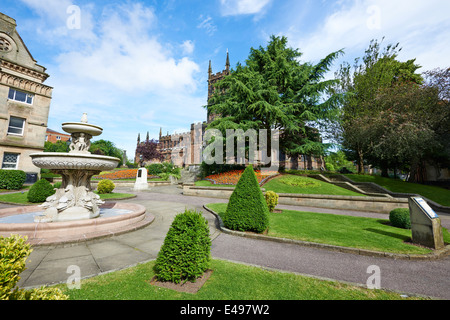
(185, 253)
(247, 209)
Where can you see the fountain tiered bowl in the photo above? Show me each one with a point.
(74, 211)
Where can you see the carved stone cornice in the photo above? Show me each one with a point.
(5, 64)
(25, 84)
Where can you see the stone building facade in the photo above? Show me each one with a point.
(24, 101)
(186, 152)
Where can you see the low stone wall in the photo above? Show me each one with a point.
(370, 204)
(130, 184)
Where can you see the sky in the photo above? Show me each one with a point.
(139, 66)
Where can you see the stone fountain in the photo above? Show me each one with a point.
(75, 199)
(74, 213)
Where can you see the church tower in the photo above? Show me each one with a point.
(213, 78)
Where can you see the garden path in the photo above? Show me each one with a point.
(49, 265)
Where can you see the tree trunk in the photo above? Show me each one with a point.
(360, 162)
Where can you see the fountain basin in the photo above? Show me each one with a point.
(79, 161)
(76, 127)
(133, 217)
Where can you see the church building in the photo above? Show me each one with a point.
(171, 144)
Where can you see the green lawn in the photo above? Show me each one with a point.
(305, 185)
(207, 183)
(346, 231)
(229, 281)
(437, 194)
(21, 197)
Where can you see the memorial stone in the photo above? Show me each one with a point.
(141, 180)
(426, 226)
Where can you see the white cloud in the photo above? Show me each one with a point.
(123, 74)
(188, 47)
(238, 7)
(207, 24)
(421, 28)
(56, 21)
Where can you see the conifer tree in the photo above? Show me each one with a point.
(247, 208)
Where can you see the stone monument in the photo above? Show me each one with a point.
(141, 180)
(426, 226)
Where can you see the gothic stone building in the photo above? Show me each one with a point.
(24, 102)
(171, 144)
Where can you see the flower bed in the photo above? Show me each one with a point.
(232, 177)
(120, 174)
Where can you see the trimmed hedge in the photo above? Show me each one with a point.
(105, 186)
(12, 179)
(40, 190)
(185, 253)
(13, 253)
(400, 218)
(271, 200)
(247, 208)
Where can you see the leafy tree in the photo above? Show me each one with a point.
(360, 87)
(338, 160)
(106, 148)
(58, 146)
(148, 149)
(274, 90)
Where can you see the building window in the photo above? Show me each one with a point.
(10, 160)
(20, 96)
(16, 126)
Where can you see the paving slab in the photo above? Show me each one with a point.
(48, 264)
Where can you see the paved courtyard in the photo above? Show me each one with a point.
(49, 264)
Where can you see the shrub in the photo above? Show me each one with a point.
(247, 209)
(400, 218)
(13, 253)
(57, 185)
(40, 190)
(298, 181)
(12, 179)
(271, 200)
(185, 253)
(105, 186)
(155, 168)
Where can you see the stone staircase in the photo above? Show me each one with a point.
(373, 190)
(366, 188)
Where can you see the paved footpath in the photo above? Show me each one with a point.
(51, 264)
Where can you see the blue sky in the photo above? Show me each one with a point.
(137, 66)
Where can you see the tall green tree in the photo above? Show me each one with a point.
(106, 148)
(361, 84)
(274, 90)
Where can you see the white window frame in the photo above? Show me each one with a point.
(22, 129)
(28, 95)
(16, 163)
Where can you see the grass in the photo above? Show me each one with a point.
(229, 281)
(305, 185)
(437, 194)
(347, 231)
(21, 197)
(207, 183)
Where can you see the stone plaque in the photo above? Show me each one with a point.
(426, 226)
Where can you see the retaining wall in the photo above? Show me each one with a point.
(370, 204)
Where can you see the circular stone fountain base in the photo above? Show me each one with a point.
(115, 218)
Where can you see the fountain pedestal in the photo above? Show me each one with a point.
(75, 199)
